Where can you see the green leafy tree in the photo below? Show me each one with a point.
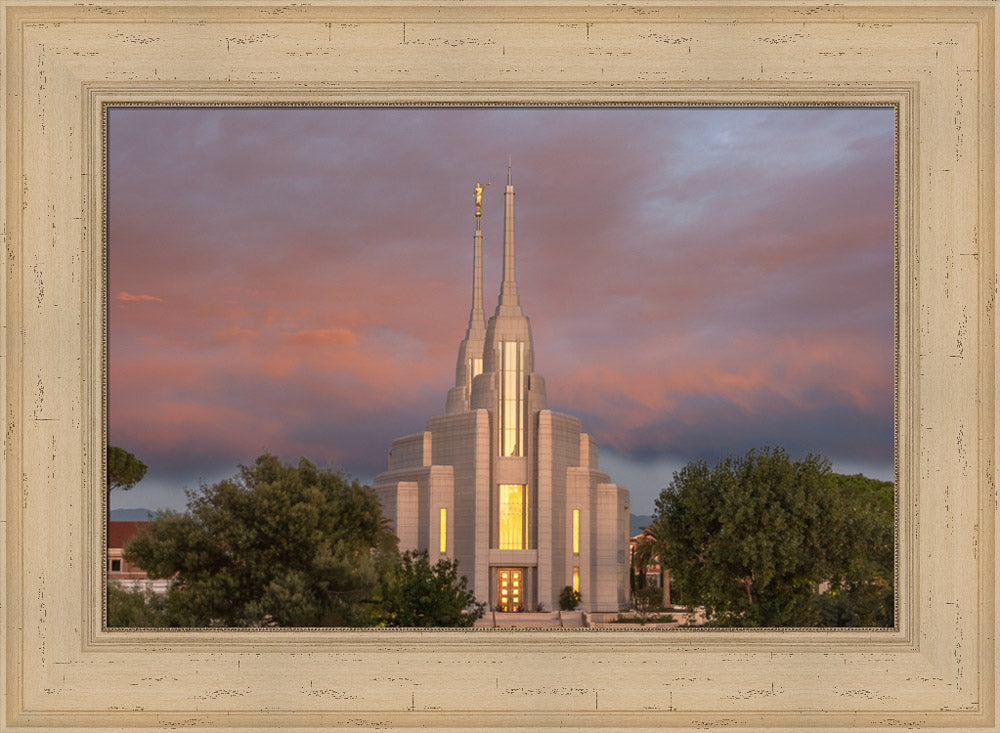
(124, 469)
(419, 594)
(141, 608)
(749, 539)
(860, 589)
(277, 544)
(755, 539)
(569, 599)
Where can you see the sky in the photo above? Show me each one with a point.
(700, 281)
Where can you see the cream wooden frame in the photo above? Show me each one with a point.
(64, 62)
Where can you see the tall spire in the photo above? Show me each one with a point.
(510, 388)
(508, 288)
(470, 351)
(477, 318)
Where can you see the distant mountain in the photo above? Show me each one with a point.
(130, 515)
(636, 523)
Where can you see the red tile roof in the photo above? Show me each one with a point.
(121, 532)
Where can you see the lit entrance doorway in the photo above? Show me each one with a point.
(509, 589)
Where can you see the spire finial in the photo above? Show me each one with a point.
(479, 201)
(508, 286)
(470, 351)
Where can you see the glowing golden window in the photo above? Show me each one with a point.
(512, 513)
(444, 530)
(511, 423)
(576, 531)
(576, 579)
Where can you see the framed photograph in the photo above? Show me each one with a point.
(683, 281)
(66, 66)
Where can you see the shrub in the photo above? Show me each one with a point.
(569, 599)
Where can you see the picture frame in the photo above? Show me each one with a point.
(63, 65)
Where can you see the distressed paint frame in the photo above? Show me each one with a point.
(62, 63)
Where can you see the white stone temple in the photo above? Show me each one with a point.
(502, 484)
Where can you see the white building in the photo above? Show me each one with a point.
(504, 485)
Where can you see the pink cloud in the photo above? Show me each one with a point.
(137, 297)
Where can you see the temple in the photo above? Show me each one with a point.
(501, 483)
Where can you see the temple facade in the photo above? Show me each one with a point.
(501, 483)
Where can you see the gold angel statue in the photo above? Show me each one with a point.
(480, 187)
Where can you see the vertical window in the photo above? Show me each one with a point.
(511, 398)
(444, 530)
(576, 531)
(512, 513)
(473, 368)
(576, 579)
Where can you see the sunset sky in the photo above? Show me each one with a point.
(699, 281)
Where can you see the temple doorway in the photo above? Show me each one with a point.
(509, 589)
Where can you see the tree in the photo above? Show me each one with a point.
(569, 599)
(642, 555)
(277, 544)
(755, 538)
(647, 599)
(417, 594)
(141, 608)
(124, 469)
(860, 589)
(750, 538)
